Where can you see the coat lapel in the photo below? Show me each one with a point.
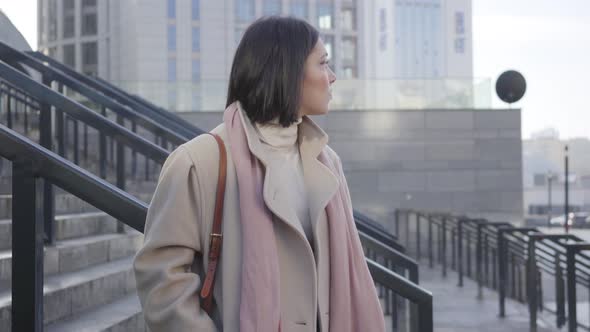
(320, 182)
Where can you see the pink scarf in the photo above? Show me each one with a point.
(354, 305)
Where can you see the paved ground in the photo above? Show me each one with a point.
(457, 309)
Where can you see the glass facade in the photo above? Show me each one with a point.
(172, 37)
(171, 9)
(244, 11)
(90, 58)
(329, 44)
(348, 19)
(68, 19)
(52, 20)
(196, 70)
(69, 54)
(196, 39)
(171, 69)
(89, 18)
(418, 39)
(196, 10)
(298, 8)
(272, 7)
(325, 14)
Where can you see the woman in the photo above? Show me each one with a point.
(291, 257)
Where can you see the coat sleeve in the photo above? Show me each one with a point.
(167, 288)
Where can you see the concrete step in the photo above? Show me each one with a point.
(68, 226)
(76, 254)
(71, 294)
(66, 203)
(123, 315)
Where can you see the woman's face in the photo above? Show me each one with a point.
(316, 91)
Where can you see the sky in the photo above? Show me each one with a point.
(548, 41)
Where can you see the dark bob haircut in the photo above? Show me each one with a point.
(268, 67)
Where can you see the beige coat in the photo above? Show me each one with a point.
(169, 267)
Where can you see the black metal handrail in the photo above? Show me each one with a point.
(31, 161)
(82, 113)
(161, 116)
(407, 289)
(9, 53)
(519, 256)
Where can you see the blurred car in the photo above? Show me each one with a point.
(575, 219)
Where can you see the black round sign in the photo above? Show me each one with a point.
(510, 86)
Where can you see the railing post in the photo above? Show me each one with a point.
(444, 246)
(418, 253)
(396, 221)
(76, 145)
(59, 123)
(430, 253)
(540, 289)
(559, 293)
(512, 275)
(8, 112)
(48, 194)
(120, 169)
(27, 250)
(408, 230)
(571, 289)
(460, 251)
(478, 261)
(502, 260)
(134, 152)
(532, 285)
(468, 252)
(102, 149)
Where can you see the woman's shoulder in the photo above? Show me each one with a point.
(202, 150)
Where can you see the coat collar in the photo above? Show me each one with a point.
(321, 183)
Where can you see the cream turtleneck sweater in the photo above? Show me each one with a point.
(281, 144)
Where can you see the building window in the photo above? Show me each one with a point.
(329, 44)
(348, 18)
(245, 11)
(68, 19)
(171, 37)
(89, 18)
(52, 20)
(171, 9)
(89, 26)
(299, 8)
(90, 58)
(349, 72)
(459, 45)
(349, 49)
(459, 23)
(325, 12)
(69, 53)
(539, 180)
(52, 52)
(196, 35)
(196, 70)
(272, 7)
(171, 70)
(196, 10)
(238, 33)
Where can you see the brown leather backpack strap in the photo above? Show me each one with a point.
(216, 236)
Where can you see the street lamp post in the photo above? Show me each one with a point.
(567, 209)
(549, 206)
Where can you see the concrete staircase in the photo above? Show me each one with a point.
(89, 283)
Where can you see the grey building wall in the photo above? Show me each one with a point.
(460, 161)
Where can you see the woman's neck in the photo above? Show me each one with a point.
(275, 135)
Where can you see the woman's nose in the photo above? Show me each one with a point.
(332, 76)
